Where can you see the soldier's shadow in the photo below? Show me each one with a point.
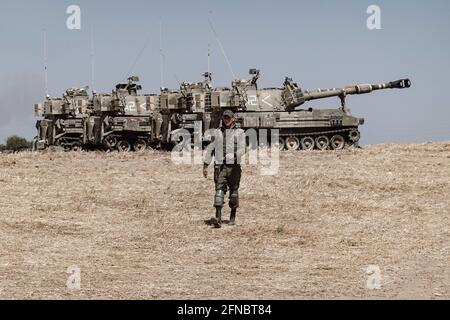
(209, 222)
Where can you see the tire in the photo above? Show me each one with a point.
(292, 143)
(322, 143)
(337, 142)
(307, 143)
(110, 142)
(123, 146)
(76, 147)
(140, 145)
(354, 135)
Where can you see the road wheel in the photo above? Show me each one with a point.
(110, 142)
(354, 135)
(76, 147)
(292, 143)
(123, 146)
(322, 142)
(140, 145)
(337, 142)
(307, 143)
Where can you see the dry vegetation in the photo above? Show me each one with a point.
(134, 224)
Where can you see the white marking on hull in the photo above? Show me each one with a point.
(268, 103)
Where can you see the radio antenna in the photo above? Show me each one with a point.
(177, 80)
(92, 58)
(137, 58)
(161, 54)
(209, 58)
(221, 48)
(45, 64)
(209, 48)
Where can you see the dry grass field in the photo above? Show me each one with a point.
(134, 225)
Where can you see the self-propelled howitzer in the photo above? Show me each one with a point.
(279, 108)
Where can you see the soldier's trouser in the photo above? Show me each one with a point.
(227, 177)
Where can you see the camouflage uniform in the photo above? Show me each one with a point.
(229, 149)
(227, 177)
(227, 173)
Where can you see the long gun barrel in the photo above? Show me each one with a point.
(294, 96)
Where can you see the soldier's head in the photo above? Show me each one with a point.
(228, 119)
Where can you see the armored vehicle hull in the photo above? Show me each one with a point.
(307, 129)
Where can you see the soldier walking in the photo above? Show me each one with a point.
(228, 152)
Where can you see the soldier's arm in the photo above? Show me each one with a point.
(207, 161)
(205, 171)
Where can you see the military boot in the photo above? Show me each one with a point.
(217, 221)
(218, 204)
(232, 218)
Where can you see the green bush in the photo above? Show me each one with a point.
(16, 143)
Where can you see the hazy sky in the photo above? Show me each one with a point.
(318, 43)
